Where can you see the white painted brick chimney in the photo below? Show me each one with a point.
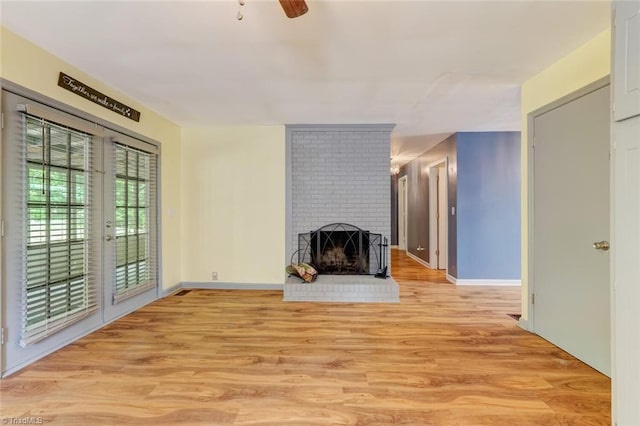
(338, 173)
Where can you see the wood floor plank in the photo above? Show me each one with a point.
(444, 355)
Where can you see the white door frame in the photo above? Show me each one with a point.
(403, 221)
(433, 211)
(530, 323)
(625, 238)
(443, 207)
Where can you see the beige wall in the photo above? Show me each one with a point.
(233, 198)
(232, 187)
(27, 65)
(581, 67)
(240, 171)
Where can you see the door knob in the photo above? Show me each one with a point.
(601, 245)
(108, 238)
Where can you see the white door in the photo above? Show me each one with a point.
(442, 217)
(626, 271)
(626, 61)
(626, 214)
(570, 214)
(402, 213)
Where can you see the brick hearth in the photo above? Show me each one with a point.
(342, 288)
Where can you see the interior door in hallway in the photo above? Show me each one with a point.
(402, 213)
(570, 214)
(442, 217)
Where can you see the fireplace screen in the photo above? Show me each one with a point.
(342, 249)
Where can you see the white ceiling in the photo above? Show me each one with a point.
(432, 67)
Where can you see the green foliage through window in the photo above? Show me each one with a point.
(56, 222)
(134, 176)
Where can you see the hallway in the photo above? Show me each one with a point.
(404, 268)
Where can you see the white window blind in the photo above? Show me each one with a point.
(135, 213)
(59, 285)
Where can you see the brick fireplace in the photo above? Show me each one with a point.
(338, 174)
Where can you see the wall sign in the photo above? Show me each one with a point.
(81, 89)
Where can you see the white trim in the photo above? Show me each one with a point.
(451, 278)
(495, 283)
(433, 210)
(417, 259)
(403, 205)
(528, 298)
(394, 247)
(230, 286)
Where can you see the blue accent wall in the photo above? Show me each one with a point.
(488, 215)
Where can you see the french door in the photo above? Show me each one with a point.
(129, 225)
(79, 219)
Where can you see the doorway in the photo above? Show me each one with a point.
(438, 229)
(402, 213)
(80, 241)
(569, 234)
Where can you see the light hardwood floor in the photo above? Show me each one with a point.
(443, 356)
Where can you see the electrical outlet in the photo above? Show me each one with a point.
(214, 276)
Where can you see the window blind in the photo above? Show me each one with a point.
(135, 212)
(59, 262)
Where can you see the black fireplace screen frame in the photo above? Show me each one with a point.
(343, 249)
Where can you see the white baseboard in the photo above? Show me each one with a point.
(513, 283)
(451, 278)
(230, 286)
(417, 259)
(394, 247)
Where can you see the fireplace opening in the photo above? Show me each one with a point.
(343, 249)
(340, 252)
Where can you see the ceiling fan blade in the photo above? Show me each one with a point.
(294, 8)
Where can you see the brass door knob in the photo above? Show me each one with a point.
(601, 245)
